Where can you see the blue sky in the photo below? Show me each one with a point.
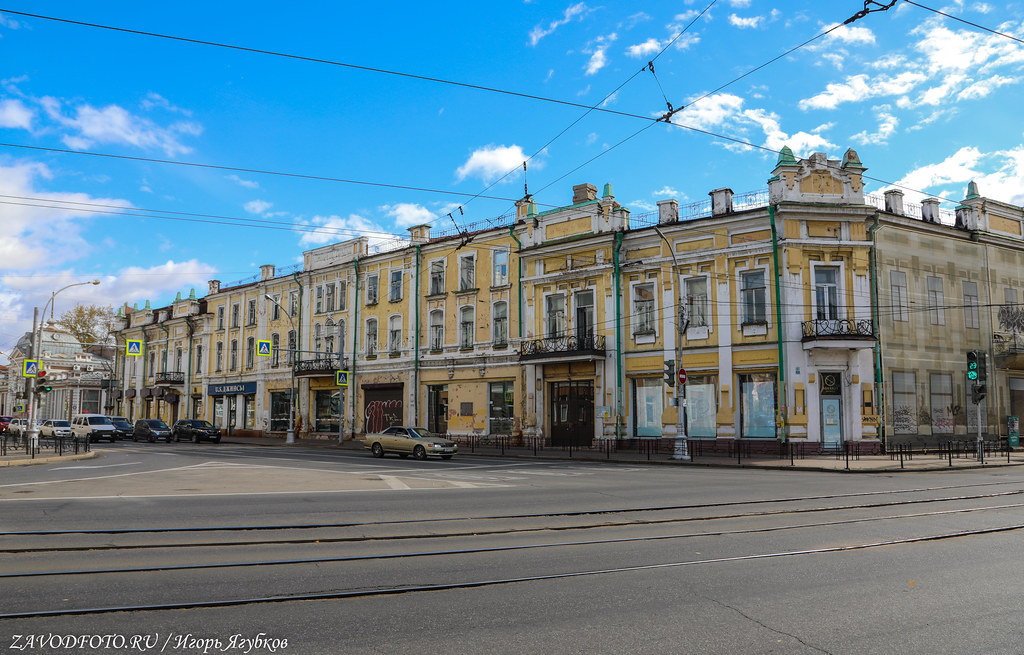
(928, 102)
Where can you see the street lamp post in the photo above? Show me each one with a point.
(37, 337)
(682, 448)
(290, 436)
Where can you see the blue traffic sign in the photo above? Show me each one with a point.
(30, 368)
(133, 347)
(341, 378)
(264, 348)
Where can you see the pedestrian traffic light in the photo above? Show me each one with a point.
(670, 372)
(982, 368)
(44, 388)
(977, 373)
(972, 365)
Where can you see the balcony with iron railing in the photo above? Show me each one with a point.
(838, 333)
(320, 365)
(170, 377)
(564, 347)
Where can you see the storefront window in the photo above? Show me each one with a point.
(279, 410)
(647, 404)
(702, 406)
(249, 410)
(232, 410)
(757, 405)
(327, 411)
(437, 408)
(501, 407)
(218, 411)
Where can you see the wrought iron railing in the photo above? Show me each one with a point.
(837, 328)
(170, 377)
(567, 344)
(321, 364)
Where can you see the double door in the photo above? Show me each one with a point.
(572, 413)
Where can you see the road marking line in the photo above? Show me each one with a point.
(100, 466)
(393, 483)
(238, 493)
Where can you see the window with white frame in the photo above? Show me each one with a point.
(904, 402)
(972, 319)
(220, 317)
(275, 308)
(292, 347)
(826, 293)
(467, 325)
(371, 290)
(396, 286)
(233, 357)
(898, 292)
(250, 351)
(342, 295)
(500, 324)
(554, 315)
(341, 338)
(371, 337)
(395, 335)
(317, 338)
(696, 289)
(436, 329)
(584, 321)
(752, 288)
(437, 277)
(936, 301)
(250, 314)
(500, 275)
(234, 315)
(329, 297)
(643, 309)
(275, 349)
(293, 304)
(467, 272)
(319, 308)
(220, 357)
(329, 333)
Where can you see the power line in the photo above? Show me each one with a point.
(966, 22)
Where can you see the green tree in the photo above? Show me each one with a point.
(89, 323)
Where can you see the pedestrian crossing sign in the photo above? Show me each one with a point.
(264, 348)
(341, 378)
(30, 368)
(133, 347)
(18, 409)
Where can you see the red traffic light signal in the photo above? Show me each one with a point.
(41, 374)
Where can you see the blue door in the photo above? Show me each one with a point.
(831, 421)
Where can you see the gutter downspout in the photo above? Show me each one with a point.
(618, 336)
(781, 424)
(873, 264)
(355, 344)
(145, 358)
(416, 357)
(167, 346)
(519, 320)
(188, 377)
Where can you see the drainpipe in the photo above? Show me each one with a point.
(519, 317)
(355, 345)
(416, 351)
(879, 405)
(167, 346)
(778, 326)
(618, 336)
(188, 377)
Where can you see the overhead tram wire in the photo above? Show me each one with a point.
(966, 22)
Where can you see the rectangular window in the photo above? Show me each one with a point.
(436, 330)
(436, 277)
(943, 416)
(500, 277)
(220, 318)
(199, 359)
(275, 308)
(701, 406)
(554, 315)
(235, 315)
(467, 272)
(319, 300)
(500, 324)
(220, 357)
(752, 287)
(826, 293)
(371, 337)
(437, 408)
(342, 296)
(936, 309)
(371, 290)
(292, 347)
(647, 401)
(971, 315)
(275, 349)
(466, 326)
(233, 357)
(904, 403)
(293, 304)
(250, 312)
(279, 409)
(643, 309)
(395, 336)
(327, 411)
(757, 405)
(250, 351)
(898, 291)
(584, 318)
(697, 301)
(249, 411)
(1010, 296)
(329, 297)
(396, 286)
(501, 407)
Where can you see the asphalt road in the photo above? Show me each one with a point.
(337, 552)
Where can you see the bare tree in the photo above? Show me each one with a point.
(89, 323)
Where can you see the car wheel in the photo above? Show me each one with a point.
(377, 450)
(446, 456)
(419, 452)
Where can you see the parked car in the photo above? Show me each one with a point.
(151, 429)
(16, 427)
(55, 428)
(195, 431)
(122, 427)
(4, 422)
(405, 441)
(92, 427)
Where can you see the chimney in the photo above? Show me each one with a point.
(214, 286)
(894, 202)
(721, 202)
(668, 211)
(267, 272)
(419, 234)
(583, 193)
(930, 210)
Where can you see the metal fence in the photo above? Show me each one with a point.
(12, 444)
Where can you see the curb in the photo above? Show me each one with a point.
(28, 461)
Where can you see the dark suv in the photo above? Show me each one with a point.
(195, 431)
(151, 429)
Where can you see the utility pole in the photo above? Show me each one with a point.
(682, 448)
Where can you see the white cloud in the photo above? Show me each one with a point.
(248, 184)
(579, 9)
(408, 214)
(851, 35)
(739, 4)
(985, 87)
(887, 123)
(333, 228)
(114, 124)
(860, 87)
(745, 22)
(155, 282)
(711, 112)
(491, 162)
(961, 166)
(645, 49)
(155, 100)
(802, 143)
(598, 50)
(257, 206)
(665, 192)
(999, 175)
(14, 113)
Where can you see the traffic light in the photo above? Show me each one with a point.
(973, 365)
(44, 388)
(977, 373)
(670, 372)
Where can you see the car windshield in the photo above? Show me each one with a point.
(61, 424)
(121, 424)
(422, 433)
(159, 425)
(202, 424)
(99, 420)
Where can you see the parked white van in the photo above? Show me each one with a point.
(92, 427)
